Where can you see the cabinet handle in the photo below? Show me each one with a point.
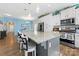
(50, 45)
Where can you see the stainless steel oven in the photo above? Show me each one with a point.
(68, 32)
(68, 38)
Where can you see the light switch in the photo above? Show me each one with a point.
(50, 44)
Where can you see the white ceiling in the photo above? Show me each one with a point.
(17, 9)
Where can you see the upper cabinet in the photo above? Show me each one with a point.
(77, 16)
(56, 19)
(50, 21)
(68, 13)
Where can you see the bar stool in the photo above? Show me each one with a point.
(19, 37)
(28, 46)
(19, 34)
(19, 40)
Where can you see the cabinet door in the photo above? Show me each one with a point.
(53, 47)
(77, 20)
(77, 40)
(68, 13)
(63, 14)
(51, 21)
(71, 12)
(77, 16)
(57, 19)
(41, 49)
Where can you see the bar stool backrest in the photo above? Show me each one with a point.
(19, 34)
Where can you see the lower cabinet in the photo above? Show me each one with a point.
(53, 47)
(77, 40)
(41, 49)
(48, 48)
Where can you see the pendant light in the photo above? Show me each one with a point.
(29, 16)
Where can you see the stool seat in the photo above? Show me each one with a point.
(31, 48)
(30, 45)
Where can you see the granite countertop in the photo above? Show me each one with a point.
(40, 37)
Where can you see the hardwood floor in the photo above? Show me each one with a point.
(9, 47)
(68, 51)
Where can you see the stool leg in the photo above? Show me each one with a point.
(35, 51)
(26, 53)
(20, 47)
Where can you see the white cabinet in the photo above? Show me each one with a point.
(77, 40)
(50, 21)
(56, 19)
(77, 21)
(68, 13)
(77, 16)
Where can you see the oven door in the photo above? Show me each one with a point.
(71, 36)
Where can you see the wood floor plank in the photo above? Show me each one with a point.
(68, 51)
(9, 46)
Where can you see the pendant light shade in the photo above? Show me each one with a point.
(28, 17)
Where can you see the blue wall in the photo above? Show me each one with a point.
(17, 23)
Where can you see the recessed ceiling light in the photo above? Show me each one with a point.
(37, 9)
(49, 5)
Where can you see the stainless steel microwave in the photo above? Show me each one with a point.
(70, 21)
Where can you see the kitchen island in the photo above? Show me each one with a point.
(47, 43)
